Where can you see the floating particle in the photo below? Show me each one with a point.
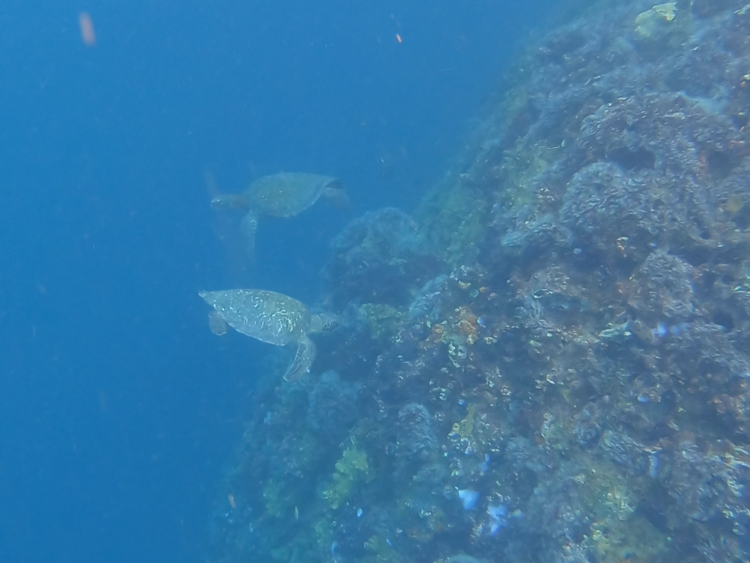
(87, 29)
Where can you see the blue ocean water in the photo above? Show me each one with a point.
(118, 408)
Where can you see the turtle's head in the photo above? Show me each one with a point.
(335, 194)
(324, 322)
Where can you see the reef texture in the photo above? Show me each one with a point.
(551, 362)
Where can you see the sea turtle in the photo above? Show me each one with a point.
(270, 317)
(279, 195)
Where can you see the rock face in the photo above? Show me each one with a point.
(564, 330)
(380, 258)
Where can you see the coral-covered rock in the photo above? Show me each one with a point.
(378, 258)
(416, 442)
(661, 290)
(332, 407)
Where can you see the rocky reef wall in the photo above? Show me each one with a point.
(551, 362)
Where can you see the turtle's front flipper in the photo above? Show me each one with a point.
(217, 324)
(303, 359)
(229, 201)
(248, 227)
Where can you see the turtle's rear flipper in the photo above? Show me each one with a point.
(248, 227)
(303, 359)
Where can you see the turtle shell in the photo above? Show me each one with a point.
(288, 193)
(266, 315)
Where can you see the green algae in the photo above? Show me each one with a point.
(618, 531)
(656, 20)
(465, 427)
(351, 470)
(635, 538)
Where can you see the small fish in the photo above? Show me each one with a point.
(660, 331)
(497, 512)
(296, 513)
(469, 498)
(359, 513)
(498, 517)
